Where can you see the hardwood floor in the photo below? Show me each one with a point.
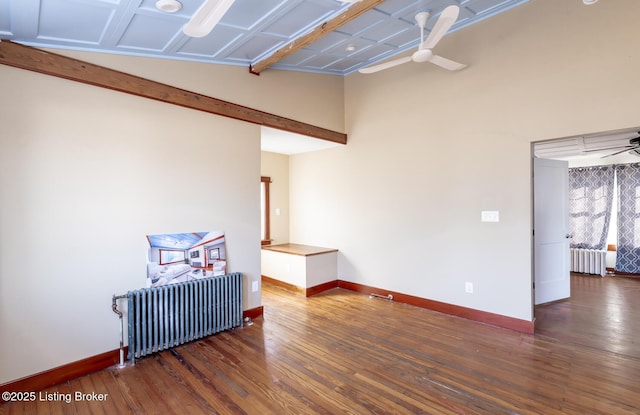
(602, 313)
(342, 352)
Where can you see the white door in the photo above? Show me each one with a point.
(551, 230)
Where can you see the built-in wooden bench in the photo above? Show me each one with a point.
(301, 268)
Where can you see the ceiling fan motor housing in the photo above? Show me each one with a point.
(422, 55)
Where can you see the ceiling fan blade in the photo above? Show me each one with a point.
(206, 17)
(607, 148)
(619, 152)
(385, 65)
(445, 21)
(447, 63)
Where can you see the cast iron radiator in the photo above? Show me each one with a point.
(170, 315)
(589, 261)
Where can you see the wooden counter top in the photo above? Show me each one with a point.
(297, 249)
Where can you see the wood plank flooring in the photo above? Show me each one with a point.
(342, 352)
(603, 313)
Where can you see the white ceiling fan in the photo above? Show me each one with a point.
(424, 54)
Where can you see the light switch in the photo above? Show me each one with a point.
(277, 211)
(490, 216)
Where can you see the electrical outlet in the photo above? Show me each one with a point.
(468, 287)
(254, 286)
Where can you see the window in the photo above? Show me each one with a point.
(169, 257)
(214, 254)
(264, 210)
(590, 200)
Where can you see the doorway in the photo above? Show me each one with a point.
(597, 299)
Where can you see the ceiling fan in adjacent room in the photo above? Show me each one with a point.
(632, 148)
(424, 53)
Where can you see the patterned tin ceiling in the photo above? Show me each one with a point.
(249, 32)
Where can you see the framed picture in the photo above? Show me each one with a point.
(172, 257)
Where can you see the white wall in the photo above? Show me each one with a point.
(86, 173)
(80, 189)
(429, 150)
(283, 93)
(276, 166)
